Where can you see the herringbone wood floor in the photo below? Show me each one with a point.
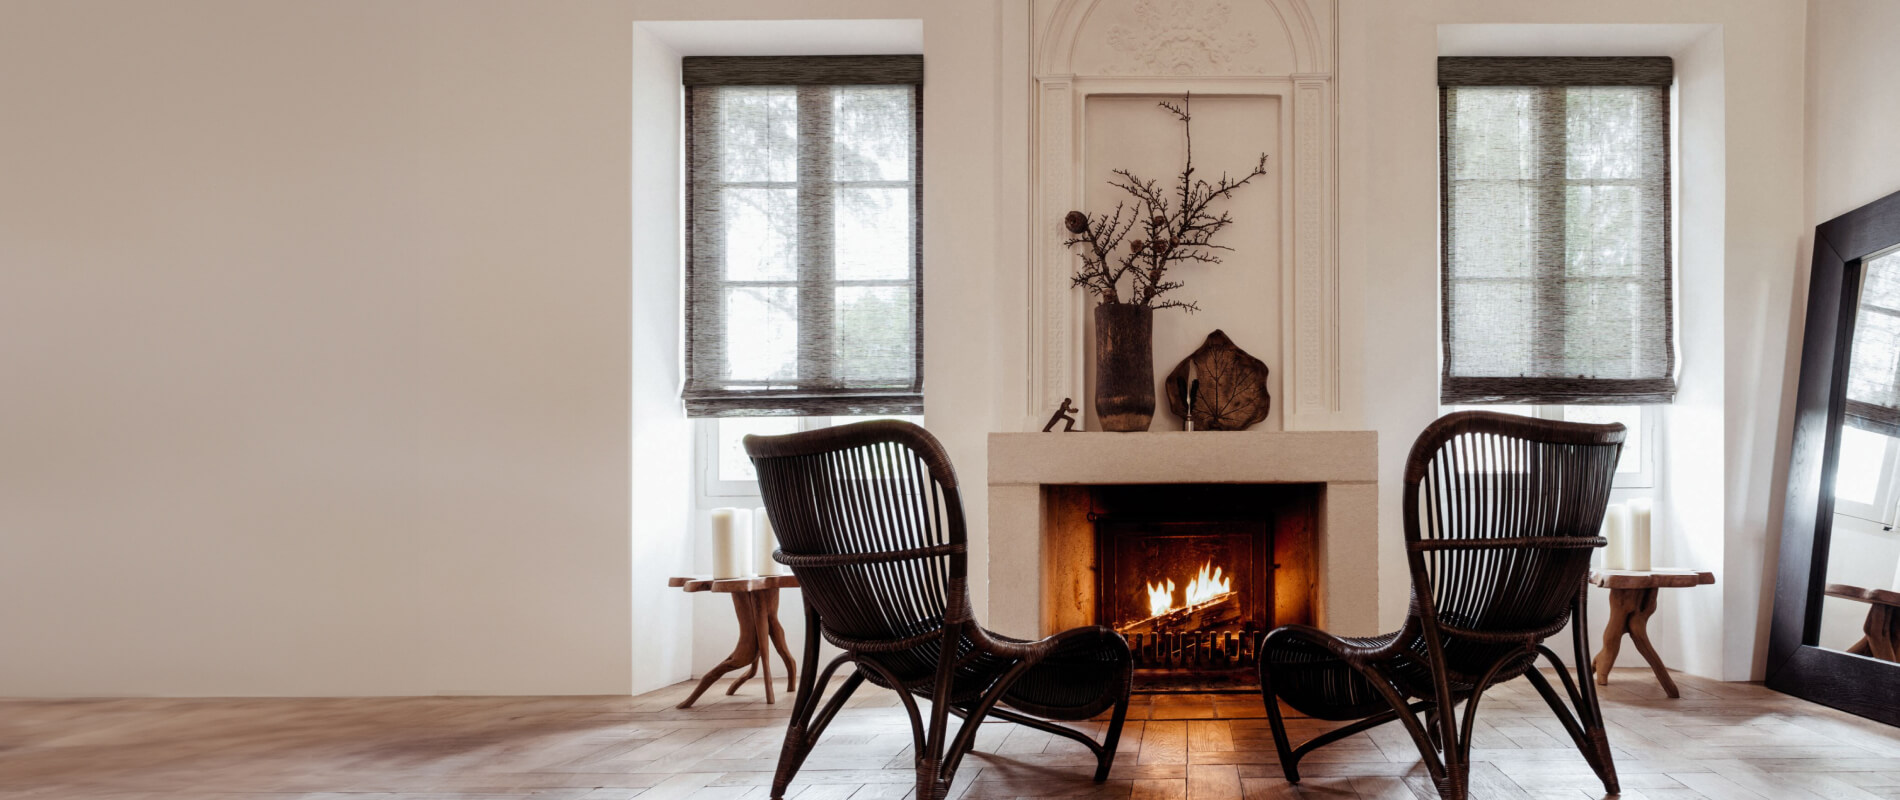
(1720, 741)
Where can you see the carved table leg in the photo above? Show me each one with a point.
(1639, 635)
(748, 611)
(743, 654)
(1630, 610)
(778, 640)
(1883, 633)
(1613, 629)
(762, 632)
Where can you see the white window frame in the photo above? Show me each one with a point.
(1644, 477)
(707, 482)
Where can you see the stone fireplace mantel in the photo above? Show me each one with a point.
(1345, 463)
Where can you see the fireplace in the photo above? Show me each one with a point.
(1314, 492)
(1192, 574)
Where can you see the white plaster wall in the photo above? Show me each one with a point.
(317, 349)
(320, 355)
(1853, 113)
(662, 444)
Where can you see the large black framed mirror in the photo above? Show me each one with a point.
(1836, 623)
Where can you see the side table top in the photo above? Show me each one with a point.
(1879, 597)
(707, 583)
(1649, 579)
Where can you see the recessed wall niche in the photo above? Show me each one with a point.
(1266, 66)
(1241, 295)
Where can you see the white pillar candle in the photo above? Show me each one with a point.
(732, 543)
(1616, 529)
(1640, 517)
(764, 541)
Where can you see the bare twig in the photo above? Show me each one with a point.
(1175, 227)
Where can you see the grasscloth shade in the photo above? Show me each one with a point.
(1555, 213)
(1873, 374)
(803, 282)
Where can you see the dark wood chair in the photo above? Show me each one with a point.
(1501, 515)
(869, 518)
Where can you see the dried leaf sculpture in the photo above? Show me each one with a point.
(1233, 394)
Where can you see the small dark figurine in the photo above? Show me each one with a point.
(1065, 414)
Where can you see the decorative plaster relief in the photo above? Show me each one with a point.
(1182, 37)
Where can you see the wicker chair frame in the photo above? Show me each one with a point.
(870, 519)
(1501, 515)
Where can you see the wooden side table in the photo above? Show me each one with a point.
(1883, 620)
(1632, 602)
(755, 600)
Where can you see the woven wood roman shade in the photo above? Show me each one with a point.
(1873, 376)
(803, 269)
(1555, 207)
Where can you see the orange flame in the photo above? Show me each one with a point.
(1160, 598)
(1205, 586)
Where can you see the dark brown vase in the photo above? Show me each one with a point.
(1124, 366)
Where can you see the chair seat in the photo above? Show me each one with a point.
(1313, 672)
(1083, 677)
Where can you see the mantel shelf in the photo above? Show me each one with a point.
(1093, 457)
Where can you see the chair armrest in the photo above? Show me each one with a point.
(1361, 649)
(1037, 650)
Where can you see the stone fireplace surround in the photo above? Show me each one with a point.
(1344, 463)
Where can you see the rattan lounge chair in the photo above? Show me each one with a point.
(1501, 514)
(869, 518)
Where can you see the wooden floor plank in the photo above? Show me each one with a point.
(1719, 741)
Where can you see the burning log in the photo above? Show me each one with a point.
(1219, 610)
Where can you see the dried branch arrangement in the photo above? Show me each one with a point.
(1169, 227)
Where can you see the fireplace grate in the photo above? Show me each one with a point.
(1203, 650)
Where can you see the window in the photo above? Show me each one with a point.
(726, 470)
(1866, 474)
(1556, 231)
(1635, 468)
(803, 288)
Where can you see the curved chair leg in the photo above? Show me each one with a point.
(805, 730)
(1289, 763)
(1105, 758)
(1407, 713)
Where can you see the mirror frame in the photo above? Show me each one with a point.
(1796, 665)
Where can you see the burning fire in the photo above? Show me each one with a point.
(1160, 598)
(1207, 585)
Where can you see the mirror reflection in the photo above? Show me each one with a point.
(1861, 611)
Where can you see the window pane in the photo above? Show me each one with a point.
(761, 234)
(1495, 133)
(1608, 130)
(734, 464)
(759, 133)
(762, 333)
(1492, 343)
(1632, 418)
(1612, 329)
(1874, 376)
(1857, 478)
(871, 234)
(1493, 232)
(1603, 230)
(871, 129)
(875, 340)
